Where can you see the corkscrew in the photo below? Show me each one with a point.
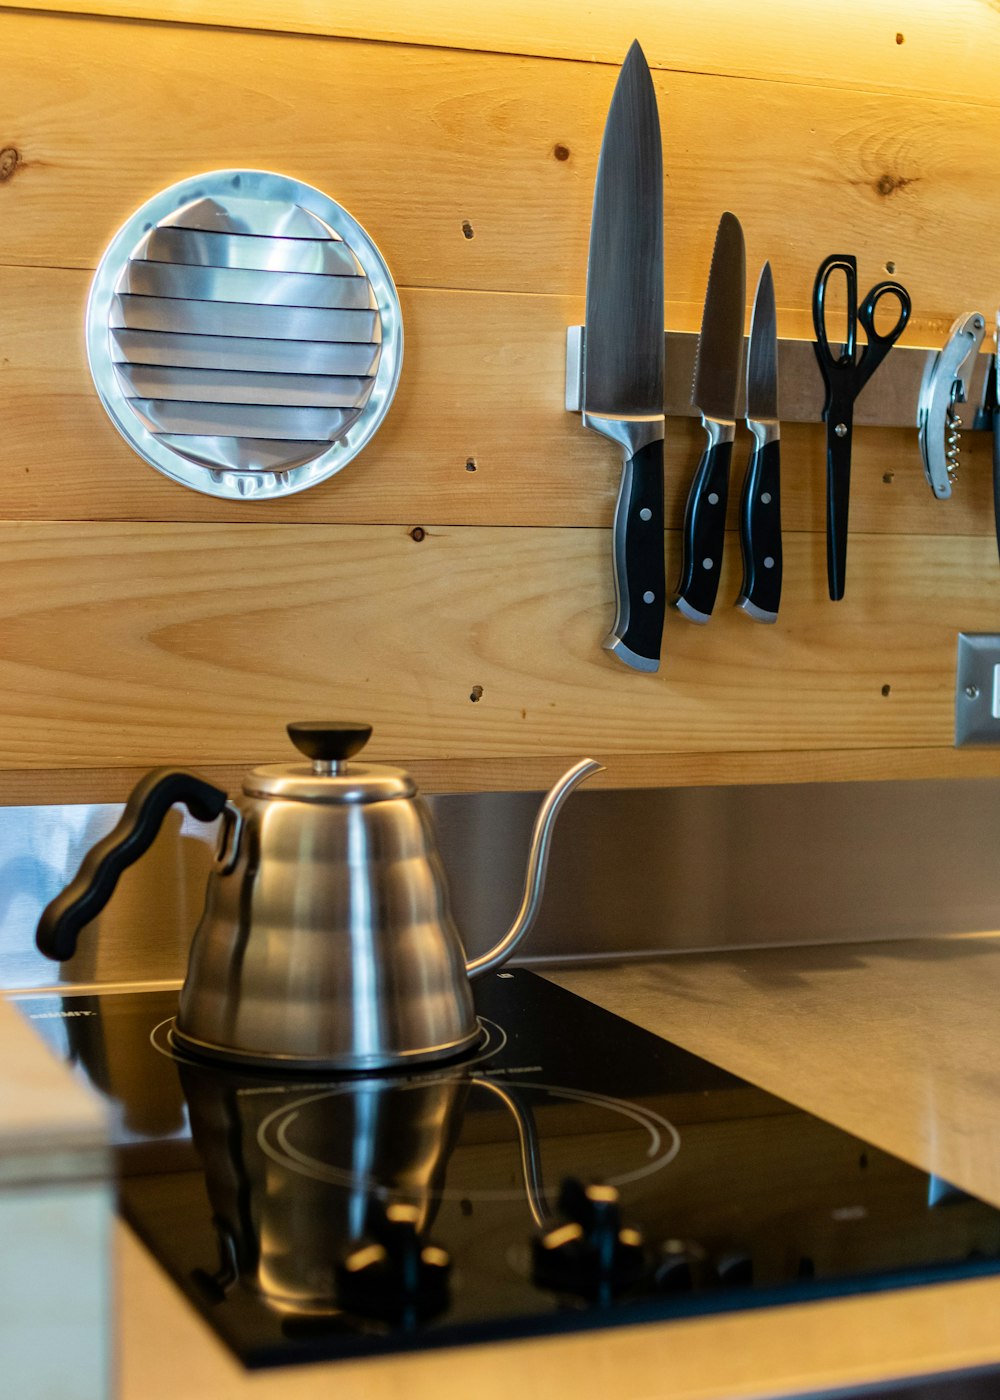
(988, 417)
(943, 389)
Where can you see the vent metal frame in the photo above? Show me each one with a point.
(232, 484)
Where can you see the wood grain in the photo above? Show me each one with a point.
(196, 636)
(20, 787)
(534, 463)
(473, 137)
(835, 43)
(122, 643)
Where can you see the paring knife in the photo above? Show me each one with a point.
(716, 391)
(623, 353)
(760, 506)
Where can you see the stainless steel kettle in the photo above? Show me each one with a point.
(326, 941)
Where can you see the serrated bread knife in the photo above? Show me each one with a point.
(623, 353)
(715, 395)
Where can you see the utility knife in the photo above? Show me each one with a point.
(623, 354)
(716, 392)
(760, 505)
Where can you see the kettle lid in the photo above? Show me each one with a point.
(328, 777)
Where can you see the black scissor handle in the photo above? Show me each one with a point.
(879, 345)
(846, 263)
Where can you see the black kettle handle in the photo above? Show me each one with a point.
(87, 894)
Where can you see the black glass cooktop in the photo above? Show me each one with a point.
(576, 1171)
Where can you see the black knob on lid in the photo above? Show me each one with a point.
(329, 741)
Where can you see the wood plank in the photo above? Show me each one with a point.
(472, 137)
(835, 43)
(27, 787)
(122, 643)
(534, 463)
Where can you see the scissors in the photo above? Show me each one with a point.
(845, 377)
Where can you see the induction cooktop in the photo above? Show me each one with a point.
(574, 1171)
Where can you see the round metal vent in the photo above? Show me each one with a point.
(244, 334)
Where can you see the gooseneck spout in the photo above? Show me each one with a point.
(538, 860)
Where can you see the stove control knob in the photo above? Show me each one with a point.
(679, 1266)
(735, 1269)
(592, 1253)
(394, 1273)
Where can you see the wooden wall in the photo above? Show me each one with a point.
(142, 623)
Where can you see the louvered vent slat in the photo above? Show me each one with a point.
(244, 334)
(240, 386)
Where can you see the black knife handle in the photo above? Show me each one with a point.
(760, 533)
(838, 498)
(640, 581)
(705, 532)
(996, 476)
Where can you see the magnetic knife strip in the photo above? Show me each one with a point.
(801, 392)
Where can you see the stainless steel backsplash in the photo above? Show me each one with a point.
(632, 873)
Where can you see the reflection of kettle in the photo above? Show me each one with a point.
(296, 1179)
(326, 939)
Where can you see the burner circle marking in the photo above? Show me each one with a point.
(273, 1139)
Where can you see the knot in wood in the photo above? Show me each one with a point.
(886, 185)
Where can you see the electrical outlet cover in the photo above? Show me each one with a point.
(977, 689)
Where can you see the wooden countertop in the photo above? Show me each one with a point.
(896, 1042)
(51, 1126)
(168, 1353)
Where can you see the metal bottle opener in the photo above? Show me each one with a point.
(944, 386)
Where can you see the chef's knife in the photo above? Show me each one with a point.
(623, 353)
(760, 507)
(716, 391)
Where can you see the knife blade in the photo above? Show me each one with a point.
(715, 395)
(623, 353)
(760, 505)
